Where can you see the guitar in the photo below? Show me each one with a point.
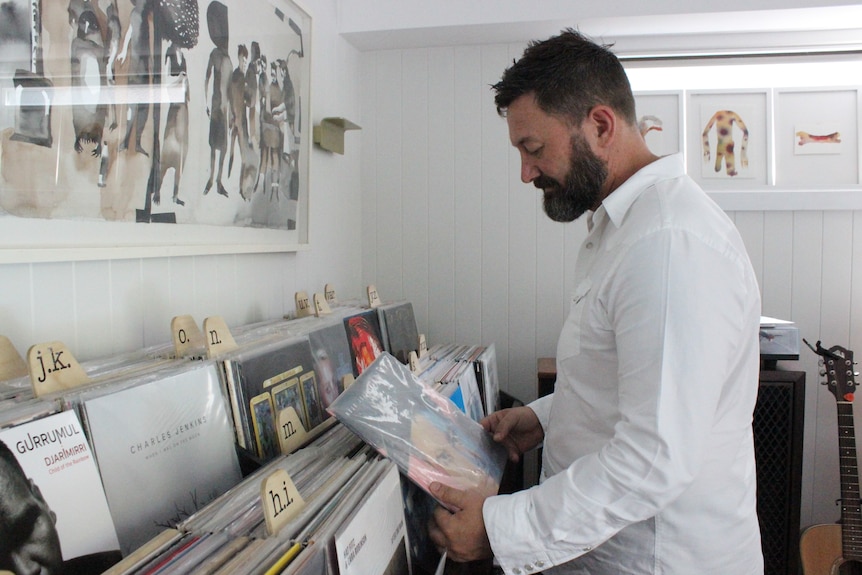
(836, 549)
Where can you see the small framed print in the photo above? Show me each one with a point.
(817, 142)
(660, 121)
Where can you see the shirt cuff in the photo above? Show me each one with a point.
(542, 408)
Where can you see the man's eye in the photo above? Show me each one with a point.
(535, 152)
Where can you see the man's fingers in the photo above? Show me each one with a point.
(436, 535)
(453, 498)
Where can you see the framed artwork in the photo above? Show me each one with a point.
(144, 127)
(816, 137)
(660, 120)
(729, 139)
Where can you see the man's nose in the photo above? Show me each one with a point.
(529, 171)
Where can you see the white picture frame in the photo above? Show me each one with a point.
(57, 203)
(817, 137)
(660, 120)
(729, 138)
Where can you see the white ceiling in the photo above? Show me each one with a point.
(658, 27)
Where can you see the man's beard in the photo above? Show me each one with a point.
(582, 188)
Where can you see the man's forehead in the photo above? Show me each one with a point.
(11, 478)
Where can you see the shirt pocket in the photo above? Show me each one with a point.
(569, 344)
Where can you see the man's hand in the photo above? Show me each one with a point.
(462, 533)
(517, 428)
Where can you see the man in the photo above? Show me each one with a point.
(648, 461)
(29, 542)
(28, 539)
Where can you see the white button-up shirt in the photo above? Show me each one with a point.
(648, 463)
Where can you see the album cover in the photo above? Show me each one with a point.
(332, 361)
(373, 541)
(488, 378)
(165, 448)
(267, 369)
(399, 330)
(52, 498)
(363, 335)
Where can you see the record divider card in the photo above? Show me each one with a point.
(291, 433)
(321, 306)
(12, 365)
(53, 368)
(218, 337)
(329, 294)
(281, 500)
(373, 297)
(303, 307)
(187, 336)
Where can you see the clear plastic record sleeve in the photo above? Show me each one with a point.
(422, 432)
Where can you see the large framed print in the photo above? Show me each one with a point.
(817, 137)
(729, 139)
(135, 128)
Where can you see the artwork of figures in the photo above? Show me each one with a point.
(158, 111)
(728, 138)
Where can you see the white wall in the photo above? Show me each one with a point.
(449, 225)
(98, 308)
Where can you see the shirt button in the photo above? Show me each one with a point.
(528, 567)
(589, 245)
(588, 548)
(540, 564)
(516, 571)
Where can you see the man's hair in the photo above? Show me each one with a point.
(9, 457)
(569, 74)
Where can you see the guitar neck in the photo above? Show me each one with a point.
(851, 513)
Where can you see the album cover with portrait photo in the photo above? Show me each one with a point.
(365, 339)
(51, 499)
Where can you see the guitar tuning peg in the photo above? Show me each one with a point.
(822, 372)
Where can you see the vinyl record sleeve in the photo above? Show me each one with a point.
(427, 436)
(263, 369)
(366, 341)
(54, 454)
(164, 449)
(399, 330)
(374, 540)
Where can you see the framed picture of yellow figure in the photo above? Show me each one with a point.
(729, 139)
(153, 123)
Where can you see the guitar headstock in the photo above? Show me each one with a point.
(837, 369)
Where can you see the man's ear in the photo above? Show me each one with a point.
(603, 123)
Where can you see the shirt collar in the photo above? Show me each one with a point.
(619, 201)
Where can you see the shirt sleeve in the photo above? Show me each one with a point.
(677, 306)
(542, 409)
